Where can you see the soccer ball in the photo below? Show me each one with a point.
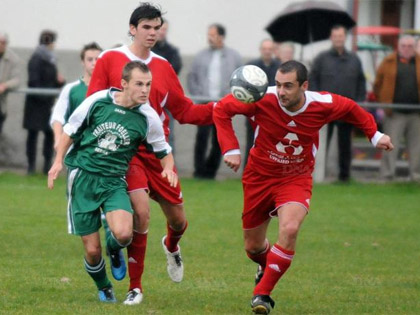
(248, 84)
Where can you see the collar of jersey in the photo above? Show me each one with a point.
(301, 110)
(132, 56)
(111, 93)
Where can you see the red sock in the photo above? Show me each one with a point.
(173, 237)
(260, 258)
(136, 254)
(278, 261)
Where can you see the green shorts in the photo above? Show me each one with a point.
(88, 194)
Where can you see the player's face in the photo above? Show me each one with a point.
(145, 34)
(290, 93)
(137, 89)
(89, 61)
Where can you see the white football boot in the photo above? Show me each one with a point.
(175, 266)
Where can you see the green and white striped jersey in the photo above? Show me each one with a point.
(107, 135)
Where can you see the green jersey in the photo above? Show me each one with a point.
(71, 96)
(108, 134)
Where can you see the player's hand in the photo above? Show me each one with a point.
(171, 176)
(385, 143)
(53, 174)
(233, 161)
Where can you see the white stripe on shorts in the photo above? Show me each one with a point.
(70, 181)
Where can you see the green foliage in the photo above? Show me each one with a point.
(358, 253)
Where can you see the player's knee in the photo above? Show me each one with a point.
(254, 248)
(177, 224)
(141, 218)
(141, 209)
(93, 253)
(290, 229)
(177, 219)
(124, 236)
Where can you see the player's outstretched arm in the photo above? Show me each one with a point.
(64, 144)
(168, 164)
(233, 161)
(385, 143)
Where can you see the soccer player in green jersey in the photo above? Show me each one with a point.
(109, 126)
(74, 93)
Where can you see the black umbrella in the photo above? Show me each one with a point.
(308, 21)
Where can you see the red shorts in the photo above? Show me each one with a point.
(145, 173)
(263, 195)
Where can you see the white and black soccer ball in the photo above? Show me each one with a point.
(248, 84)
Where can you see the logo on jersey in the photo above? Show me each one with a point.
(291, 124)
(289, 145)
(111, 136)
(120, 111)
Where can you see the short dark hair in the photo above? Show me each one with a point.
(337, 27)
(90, 46)
(145, 11)
(295, 66)
(129, 67)
(221, 30)
(47, 37)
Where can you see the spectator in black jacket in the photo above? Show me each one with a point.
(42, 73)
(167, 50)
(339, 71)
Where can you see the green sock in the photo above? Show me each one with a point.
(98, 274)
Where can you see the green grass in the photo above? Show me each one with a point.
(358, 253)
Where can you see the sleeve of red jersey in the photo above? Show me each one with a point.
(182, 108)
(223, 112)
(349, 111)
(99, 80)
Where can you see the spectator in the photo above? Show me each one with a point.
(170, 53)
(418, 46)
(166, 50)
(42, 73)
(209, 76)
(284, 51)
(269, 65)
(339, 71)
(398, 81)
(9, 75)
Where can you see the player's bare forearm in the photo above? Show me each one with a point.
(58, 130)
(63, 146)
(168, 165)
(385, 143)
(233, 161)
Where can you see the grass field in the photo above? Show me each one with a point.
(358, 253)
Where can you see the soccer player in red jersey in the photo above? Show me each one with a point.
(143, 176)
(277, 180)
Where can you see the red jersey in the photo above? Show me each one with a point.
(286, 142)
(166, 91)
